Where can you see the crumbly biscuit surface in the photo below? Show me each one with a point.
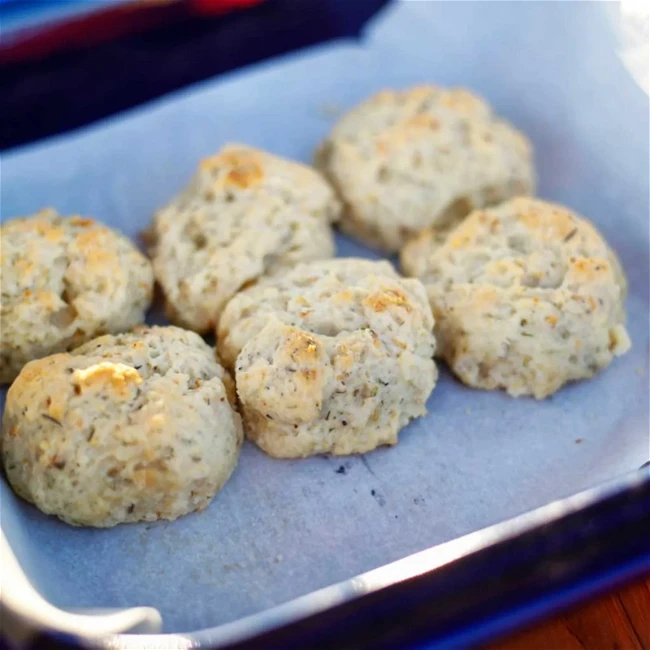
(133, 427)
(527, 296)
(64, 281)
(405, 160)
(245, 214)
(333, 357)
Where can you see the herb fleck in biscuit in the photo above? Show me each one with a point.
(527, 296)
(246, 214)
(65, 280)
(332, 357)
(406, 160)
(133, 427)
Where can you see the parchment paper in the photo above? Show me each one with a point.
(280, 529)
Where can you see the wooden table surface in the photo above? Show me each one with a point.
(618, 621)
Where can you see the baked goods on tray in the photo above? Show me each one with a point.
(65, 280)
(329, 356)
(245, 214)
(332, 357)
(131, 427)
(402, 161)
(527, 296)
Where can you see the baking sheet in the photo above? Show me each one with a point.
(280, 529)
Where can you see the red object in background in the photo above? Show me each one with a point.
(107, 24)
(220, 6)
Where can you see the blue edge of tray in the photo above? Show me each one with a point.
(486, 593)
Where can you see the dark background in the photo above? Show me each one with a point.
(64, 90)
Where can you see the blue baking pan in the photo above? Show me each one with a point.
(17, 15)
(448, 538)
